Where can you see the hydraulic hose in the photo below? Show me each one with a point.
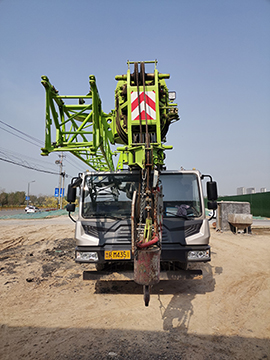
(142, 245)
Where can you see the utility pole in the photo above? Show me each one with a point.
(63, 174)
(63, 187)
(61, 180)
(28, 196)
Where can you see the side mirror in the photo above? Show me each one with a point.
(212, 205)
(71, 194)
(212, 194)
(70, 207)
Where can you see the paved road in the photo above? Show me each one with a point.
(29, 219)
(264, 222)
(256, 222)
(11, 212)
(59, 220)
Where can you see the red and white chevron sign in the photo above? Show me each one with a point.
(149, 105)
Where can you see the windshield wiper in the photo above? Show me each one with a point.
(178, 216)
(107, 216)
(114, 217)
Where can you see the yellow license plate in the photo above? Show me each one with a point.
(117, 255)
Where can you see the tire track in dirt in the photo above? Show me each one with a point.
(12, 243)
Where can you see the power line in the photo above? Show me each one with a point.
(74, 165)
(21, 132)
(16, 159)
(19, 136)
(70, 161)
(11, 155)
(29, 167)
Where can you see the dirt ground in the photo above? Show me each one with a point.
(49, 312)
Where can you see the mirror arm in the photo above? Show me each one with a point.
(214, 213)
(71, 218)
(76, 181)
(204, 176)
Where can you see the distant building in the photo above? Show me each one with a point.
(251, 190)
(241, 191)
(263, 190)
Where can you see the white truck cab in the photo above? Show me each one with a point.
(103, 229)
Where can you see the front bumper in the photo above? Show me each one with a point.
(169, 252)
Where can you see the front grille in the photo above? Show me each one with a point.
(164, 235)
(192, 229)
(173, 234)
(91, 230)
(123, 233)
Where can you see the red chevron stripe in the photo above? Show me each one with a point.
(143, 116)
(148, 100)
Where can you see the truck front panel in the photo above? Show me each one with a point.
(104, 223)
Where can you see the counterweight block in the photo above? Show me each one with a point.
(147, 266)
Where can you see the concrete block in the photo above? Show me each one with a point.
(230, 207)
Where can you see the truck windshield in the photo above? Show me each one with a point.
(110, 195)
(181, 195)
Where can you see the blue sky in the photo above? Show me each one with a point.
(217, 52)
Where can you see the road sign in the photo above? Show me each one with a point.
(56, 192)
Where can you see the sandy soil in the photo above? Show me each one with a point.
(49, 312)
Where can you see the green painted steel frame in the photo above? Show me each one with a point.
(87, 132)
(82, 129)
(134, 154)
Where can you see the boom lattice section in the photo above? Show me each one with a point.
(82, 129)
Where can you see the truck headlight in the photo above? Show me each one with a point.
(86, 255)
(199, 255)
